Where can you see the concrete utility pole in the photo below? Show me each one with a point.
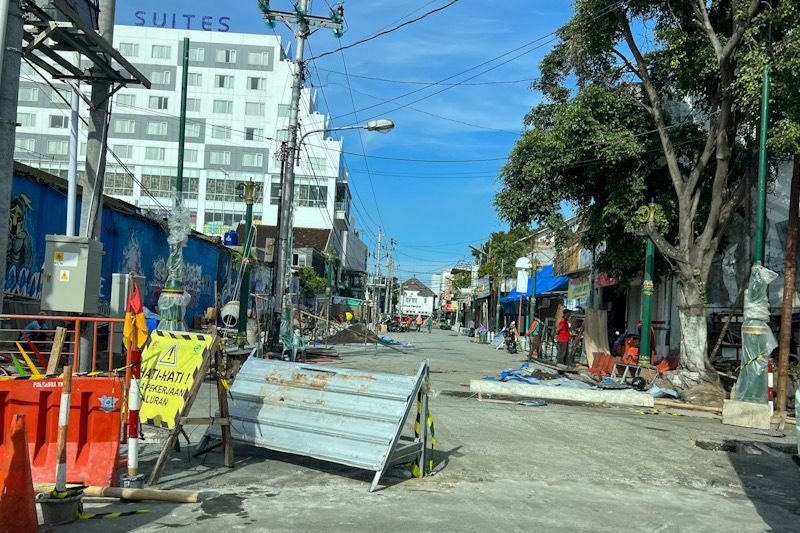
(283, 246)
(72, 170)
(92, 183)
(10, 58)
(387, 304)
(376, 307)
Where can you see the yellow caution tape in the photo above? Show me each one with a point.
(34, 370)
(96, 516)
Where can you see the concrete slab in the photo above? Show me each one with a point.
(628, 398)
(746, 414)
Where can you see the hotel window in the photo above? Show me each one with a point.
(190, 156)
(28, 94)
(161, 77)
(259, 59)
(223, 82)
(253, 134)
(82, 149)
(226, 56)
(256, 84)
(57, 147)
(192, 130)
(157, 128)
(221, 132)
(252, 160)
(282, 135)
(193, 105)
(254, 109)
(126, 99)
(154, 153)
(59, 121)
(159, 102)
(25, 145)
(122, 125)
(318, 164)
(27, 120)
(224, 107)
(311, 195)
(219, 158)
(220, 190)
(60, 96)
(129, 49)
(299, 260)
(123, 151)
(161, 51)
(195, 79)
(284, 110)
(197, 54)
(118, 184)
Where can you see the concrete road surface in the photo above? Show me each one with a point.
(500, 467)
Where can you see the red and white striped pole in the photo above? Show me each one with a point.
(63, 425)
(771, 386)
(134, 404)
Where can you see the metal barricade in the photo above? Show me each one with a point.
(15, 330)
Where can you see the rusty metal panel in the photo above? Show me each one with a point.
(350, 417)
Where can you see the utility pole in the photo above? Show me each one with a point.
(376, 309)
(499, 291)
(248, 193)
(283, 246)
(92, 183)
(10, 58)
(387, 307)
(788, 290)
(72, 170)
(647, 295)
(761, 199)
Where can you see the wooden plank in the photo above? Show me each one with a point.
(222, 398)
(208, 420)
(55, 352)
(688, 406)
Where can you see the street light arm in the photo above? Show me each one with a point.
(381, 125)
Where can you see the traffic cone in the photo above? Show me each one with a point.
(17, 504)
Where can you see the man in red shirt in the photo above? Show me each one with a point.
(562, 339)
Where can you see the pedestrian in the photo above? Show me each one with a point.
(419, 322)
(34, 330)
(429, 323)
(534, 334)
(562, 339)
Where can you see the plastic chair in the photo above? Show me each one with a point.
(294, 344)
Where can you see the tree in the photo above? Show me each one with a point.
(505, 247)
(461, 280)
(644, 99)
(310, 283)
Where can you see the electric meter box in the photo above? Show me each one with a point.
(71, 274)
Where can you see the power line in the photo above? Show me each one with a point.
(385, 32)
(428, 82)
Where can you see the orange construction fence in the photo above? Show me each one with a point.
(95, 423)
(40, 342)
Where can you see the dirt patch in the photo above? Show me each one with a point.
(224, 504)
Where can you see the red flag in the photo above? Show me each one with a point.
(134, 320)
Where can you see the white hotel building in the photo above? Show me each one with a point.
(239, 88)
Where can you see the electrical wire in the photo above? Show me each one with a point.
(422, 82)
(386, 31)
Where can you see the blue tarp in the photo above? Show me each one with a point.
(545, 282)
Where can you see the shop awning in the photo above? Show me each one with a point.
(545, 283)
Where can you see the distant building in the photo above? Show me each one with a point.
(416, 298)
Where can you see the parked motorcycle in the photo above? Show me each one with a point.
(510, 341)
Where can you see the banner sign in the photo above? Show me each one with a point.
(171, 363)
(578, 288)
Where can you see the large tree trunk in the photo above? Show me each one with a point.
(694, 328)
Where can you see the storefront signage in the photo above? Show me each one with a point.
(578, 288)
(183, 21)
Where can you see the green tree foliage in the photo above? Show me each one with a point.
(644, 99)
(461, 280)
(505, 247)
(310, 283)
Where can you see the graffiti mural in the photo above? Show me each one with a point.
(22, 277)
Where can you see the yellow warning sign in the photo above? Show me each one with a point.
(64, 275)
(171, 363)
(58, 257)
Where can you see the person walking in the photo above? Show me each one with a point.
(429, 324)
(534, 334)
(562, 339)
(419, 322)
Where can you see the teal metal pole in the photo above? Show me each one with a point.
(761, 200)
(532, 309)
(645, 350)
(244, 290)
(182, 122)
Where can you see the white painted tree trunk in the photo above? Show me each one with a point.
(694, 328)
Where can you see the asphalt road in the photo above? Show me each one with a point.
(500, 467)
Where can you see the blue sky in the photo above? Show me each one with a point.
(433, 210)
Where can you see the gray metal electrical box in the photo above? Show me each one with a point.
(72, 270)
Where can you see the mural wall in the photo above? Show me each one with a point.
(132, 243)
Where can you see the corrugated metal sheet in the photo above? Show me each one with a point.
(350, 417)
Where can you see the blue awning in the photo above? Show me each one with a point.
(545, 283)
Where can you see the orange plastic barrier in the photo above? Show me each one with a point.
(17, 504)
(94, 426)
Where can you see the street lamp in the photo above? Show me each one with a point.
(283, 243)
